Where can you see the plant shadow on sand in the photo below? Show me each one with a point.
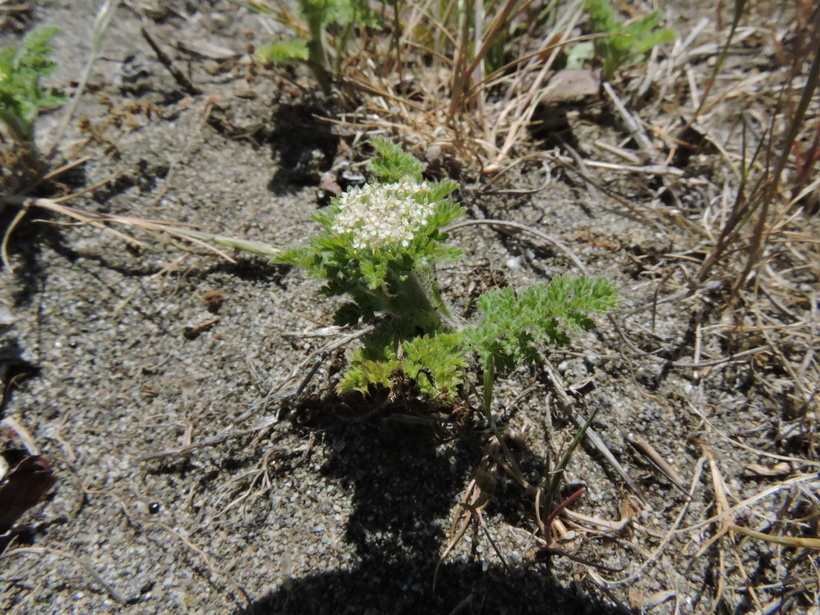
(403, 496)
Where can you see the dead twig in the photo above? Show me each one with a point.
(520, 227)
(166, 61)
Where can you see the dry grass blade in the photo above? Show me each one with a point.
(474, 500)
(798, 462)
(446, 103)
(214, 569)
(101, 221)
(523, 107)
(101, 23)
(4, 254)
(557, 475)
(725, 515)
(783, 541)
(464, 73)
(594, 438)
(810, 480)
(657, 461)
(634, 127)
(670, 533)
(26, 438)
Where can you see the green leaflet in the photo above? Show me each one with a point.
(283, 52)
(626, 43)
(435, 362)
(394, 164)
(21, 95)
(514, 323)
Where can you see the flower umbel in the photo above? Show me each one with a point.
(383, 217)
(381, 242)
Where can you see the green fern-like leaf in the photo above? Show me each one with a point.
(362, 373)
(514, 323)
(601, 15)
(21, 95)
(392, 164)
(435, 362)
(441, 356)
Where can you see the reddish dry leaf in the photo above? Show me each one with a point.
(25, 487)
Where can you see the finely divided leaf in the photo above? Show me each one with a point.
(514, 323)
(21, 95)
(392, 164)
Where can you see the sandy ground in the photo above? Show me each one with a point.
(273, 509)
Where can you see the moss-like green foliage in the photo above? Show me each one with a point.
(626, 43)
(21, 95)
(435, 362)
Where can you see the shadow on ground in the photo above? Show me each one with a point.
(403, 487)
(404, 588)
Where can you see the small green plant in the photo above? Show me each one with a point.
(379, 246)
(311, 45)
(625, 43)
(21, 94)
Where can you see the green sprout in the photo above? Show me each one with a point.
(379, 247)
(21, 94)
(312, 43)
(625, 43)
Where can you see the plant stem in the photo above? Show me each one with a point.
(315, 15)
(414, 291)
(486, 406)
(555, 480)
(22, 131)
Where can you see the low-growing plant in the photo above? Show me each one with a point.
(21, 93)
(379, 247)
(625, 42)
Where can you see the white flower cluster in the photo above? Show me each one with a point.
(382, 216)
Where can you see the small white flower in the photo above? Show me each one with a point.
(382, 216)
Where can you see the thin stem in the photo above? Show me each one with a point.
(486, 407)
(21, 130)
(101, 23)
(416, 295)
(315, 16)
(558, 474)
(554, 514)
